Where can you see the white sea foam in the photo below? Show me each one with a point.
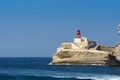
(50, 64)
(101, 78)
(93, 78)
(62, 76)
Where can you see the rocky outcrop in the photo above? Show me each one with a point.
(75, 54)
(85, 52)
(97, 55)
(86, 57)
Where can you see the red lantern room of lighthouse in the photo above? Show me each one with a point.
(78, 34)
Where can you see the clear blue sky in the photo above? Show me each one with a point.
(35, 28)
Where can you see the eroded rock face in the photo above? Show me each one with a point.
(112, 61)
(80, 57)
(98, 55)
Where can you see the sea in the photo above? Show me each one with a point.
(38, 68)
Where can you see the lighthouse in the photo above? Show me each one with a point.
(80, 43)
(79, 40)
(78, 34)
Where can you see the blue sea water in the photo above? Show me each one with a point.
(39, 69)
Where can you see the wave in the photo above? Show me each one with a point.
(8, 77)
(99, 78)
(36, 74)
(39, 77)
(88, 78)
